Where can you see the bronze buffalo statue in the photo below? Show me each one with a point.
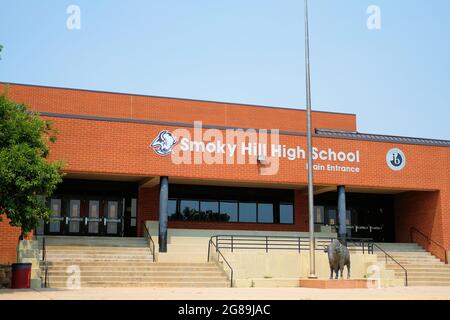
(338, 257)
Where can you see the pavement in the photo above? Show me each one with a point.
(410, 293)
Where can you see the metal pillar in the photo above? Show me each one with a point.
(163, 213)
(342, 215)
(312, 250)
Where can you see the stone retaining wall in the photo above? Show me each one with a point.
(5, 276)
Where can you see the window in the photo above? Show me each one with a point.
(55, 206)
(331, 217)
(189, 209)
(286, 213)
(173, 214)
(133, 212)
(247, 212)
(265, 212)
(319, 214)
(74, 213)
(229, 211)
(209, 211)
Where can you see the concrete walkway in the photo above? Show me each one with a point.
(421, 293)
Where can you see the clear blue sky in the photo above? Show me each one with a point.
(397, 79)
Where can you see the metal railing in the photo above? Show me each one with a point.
(150, 240)
(42, 259)
(45, 263)
(219, 254)
(268, 243)
(387, 255)
(414, 230)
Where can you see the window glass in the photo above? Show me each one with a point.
(74, 213)
(209, 211)
(55, 206)
(265, 212)
(318, 214)
(286, 213)
(332, 217)
(133, 212)
(93, 225)
(247, 212)
(172, 210)
(190, 210)
(229, 211)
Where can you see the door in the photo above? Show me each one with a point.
(130, 217)
(73, 217)
(56, 224)
(93, 219)
(112, 218)
(94, 216)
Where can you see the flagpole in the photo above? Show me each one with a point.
(312, 252)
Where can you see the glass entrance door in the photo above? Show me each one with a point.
(113, 218)
(93, 219)
(92, 216)
(56, 224)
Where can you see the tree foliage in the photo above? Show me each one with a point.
(26, 176)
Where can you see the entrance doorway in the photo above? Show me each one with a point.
(368, 215)
(94, 216)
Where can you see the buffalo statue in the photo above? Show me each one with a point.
(338, 257)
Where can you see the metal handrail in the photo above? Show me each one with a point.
(411, 231)
(220, 253)
(277, 242)
(388, 255)
(43, 260)
(151, 242)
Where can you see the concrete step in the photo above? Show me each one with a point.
(138, 277)
(411, 256)
(420, 267)
(423, 272)
(139, 269)
(404, 253)
(100, 259)
(436, 275)
(410, 261)
(428, 283)
(123, 255)
(131, 273)
(184, 284)
(94, 241)
(59, 249)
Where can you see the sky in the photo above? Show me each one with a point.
(396, 78)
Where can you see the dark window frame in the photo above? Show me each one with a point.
(275, 210)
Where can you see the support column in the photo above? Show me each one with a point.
(342, 214)
(163, 213)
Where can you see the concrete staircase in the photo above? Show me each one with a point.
(121, 262)
(423, 268)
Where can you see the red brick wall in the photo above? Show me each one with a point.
(9, 238)
(423, 211)
(148, 206)
(172, 110)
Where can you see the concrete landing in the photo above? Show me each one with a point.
(335, 283)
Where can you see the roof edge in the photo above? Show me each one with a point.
(172, 98)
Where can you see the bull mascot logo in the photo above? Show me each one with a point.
(164, 143)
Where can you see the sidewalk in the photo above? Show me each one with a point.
(416, 293)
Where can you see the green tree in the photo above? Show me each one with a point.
(1, 48)
(26, 177)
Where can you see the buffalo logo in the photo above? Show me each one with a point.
(164, 143)
(395, 159)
